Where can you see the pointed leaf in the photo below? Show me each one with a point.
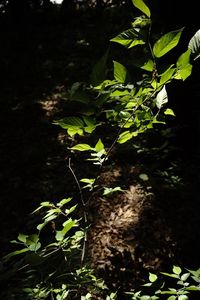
(167, 42)
(129, 38)
(22, 237)
(161, 98)
(142, 7)
(124, 137)
(82, 147)
(184, 66)
(194, 45)
(152, 277)
(99, 145)
(63, 202)
(120, 72)
(177, 270)
(169, 111)
(183, 297)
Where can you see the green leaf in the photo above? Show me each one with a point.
(22, 237)
(129, 38)
(108, 191)
(194, 45)
(15, 253)
(66, 227)
(124, 137)
(167, 75)
(177, 270)
(98, 74)
(145, 297)
(63, 202)
(148, 65)
(161, 98)
(82, 147)
(184, 66)
(99, 146)
(152, 277)
(120, 72)
(167, 42)
(87, 180)
(170, 275)
(142, 7)
(172, 298)
(183, 297)
(169, 111)
(42, 225)
(193, 288)
(145, 177)
(73, 121)
(185, 276)
(71, 209)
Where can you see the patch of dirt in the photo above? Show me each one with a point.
(128, 235)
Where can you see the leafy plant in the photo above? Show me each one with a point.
(185, 284)
(55, 265)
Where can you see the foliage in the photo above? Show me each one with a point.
(52, 264)
(184, 285)
(55, 265)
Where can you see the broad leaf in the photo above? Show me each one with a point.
(194, 45)
(183, 297)
(177, 270)
(129, 38)
(161, 98)
(142, 7)
(66, 227)
(167, 42)
(167, 75)
(125, 136)
(22, 237)
(184, 66)
(82, 147)
(99, 145)
(120, 72)
(169, 112)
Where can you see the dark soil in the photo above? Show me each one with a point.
(149, 227)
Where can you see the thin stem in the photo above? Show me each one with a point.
(84, 211)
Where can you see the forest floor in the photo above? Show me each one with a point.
(151, 225)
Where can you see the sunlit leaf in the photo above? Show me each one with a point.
(108, 191)
(145, 177)
(120, 72)
(194, 45)
(167, 42)
(161, 98)
(22, 237)
(167, 75)
(129, 38)
(183, 65)
(124, 137)
(172, 298)
(183, 297)
(152, 277)
(142, 7)
(169, 111)
(177, 270)
(63, 202)
(99, 146)
(82, 147)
